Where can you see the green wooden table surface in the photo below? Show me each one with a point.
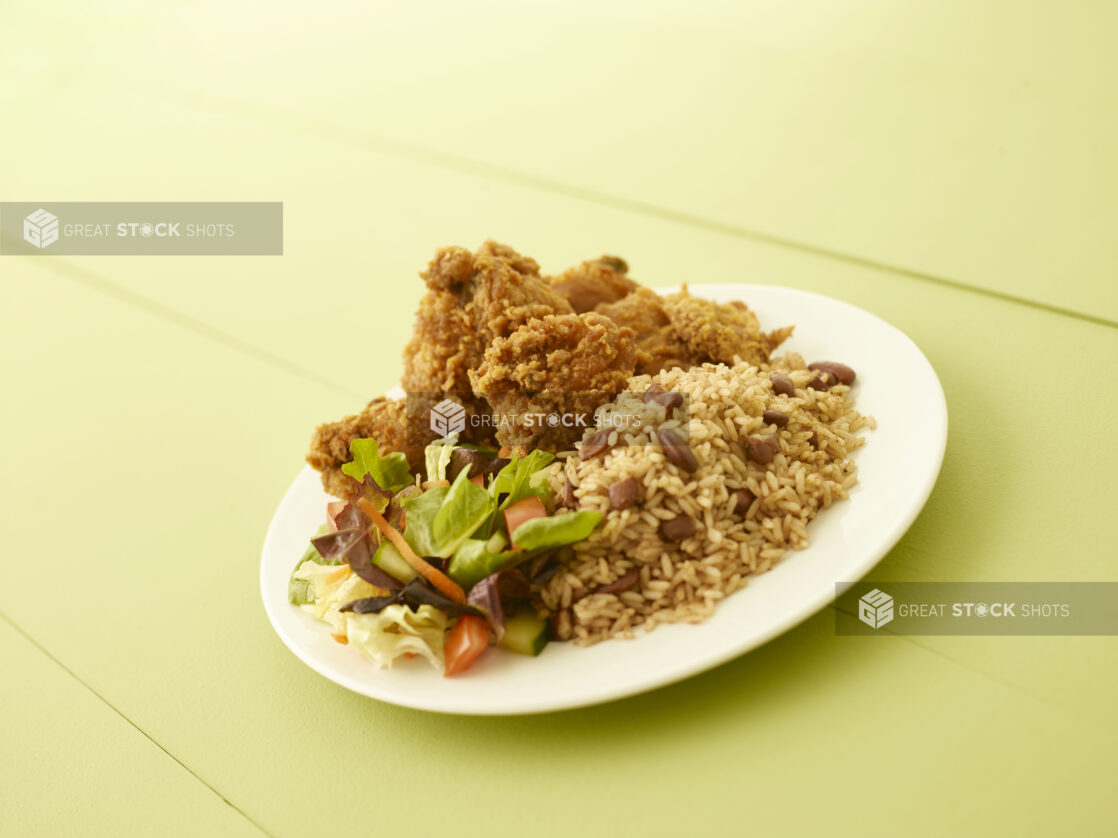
(948, 168)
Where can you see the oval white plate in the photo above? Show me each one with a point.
(897, 469)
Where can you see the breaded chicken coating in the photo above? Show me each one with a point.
(659, 346)
(499, 338)
(598, 281)
(564, 366)
(717, 332)
(385, 420)
(472, 299)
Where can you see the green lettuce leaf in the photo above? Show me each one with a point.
(390, 471)
(516, 482)
(556, 530)
(420, 512)
(465, 508)
(474, 561)
(440, 519)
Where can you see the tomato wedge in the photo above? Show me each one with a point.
(523, 510)
(468, 639)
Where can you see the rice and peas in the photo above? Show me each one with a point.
(698, 493)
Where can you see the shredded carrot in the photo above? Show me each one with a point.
(340, 638)
(478, 480)
(431, 483)
(436, 577)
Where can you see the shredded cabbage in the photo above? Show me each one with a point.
(334, 586)
(437, 456)
(383, 637)
(396, 631)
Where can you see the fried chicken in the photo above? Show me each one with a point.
(442, 348)
(472, 298)
(385, 420)
(659, 346)
(717, 332)
(497, 337)
(562, 366)
(598, 281)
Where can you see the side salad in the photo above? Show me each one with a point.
(444, 567)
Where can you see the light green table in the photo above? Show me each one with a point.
(949, 169)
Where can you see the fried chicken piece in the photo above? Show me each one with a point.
(562, 366)
(472, 299)
(598, 281)
(442, 348)
(385, 420)
(659, 346)
(717, 332)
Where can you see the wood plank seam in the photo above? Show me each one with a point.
(95, 282)
(452, 162)
(30, 639)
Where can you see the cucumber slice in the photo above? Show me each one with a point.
(389, 560)
(299, 591)
(525, 634)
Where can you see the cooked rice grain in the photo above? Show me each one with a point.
(684, 581)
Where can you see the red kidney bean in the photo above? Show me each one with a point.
(679, 528)
(622, 583)
(670, 401)
(823, 381)
(782, 384)
(841, 372)
(624, 494)
(568, 493)
(677, 451)
(762, 450)
(775, 417)
(742, 500)
(595, 444)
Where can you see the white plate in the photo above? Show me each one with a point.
(897, 469)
